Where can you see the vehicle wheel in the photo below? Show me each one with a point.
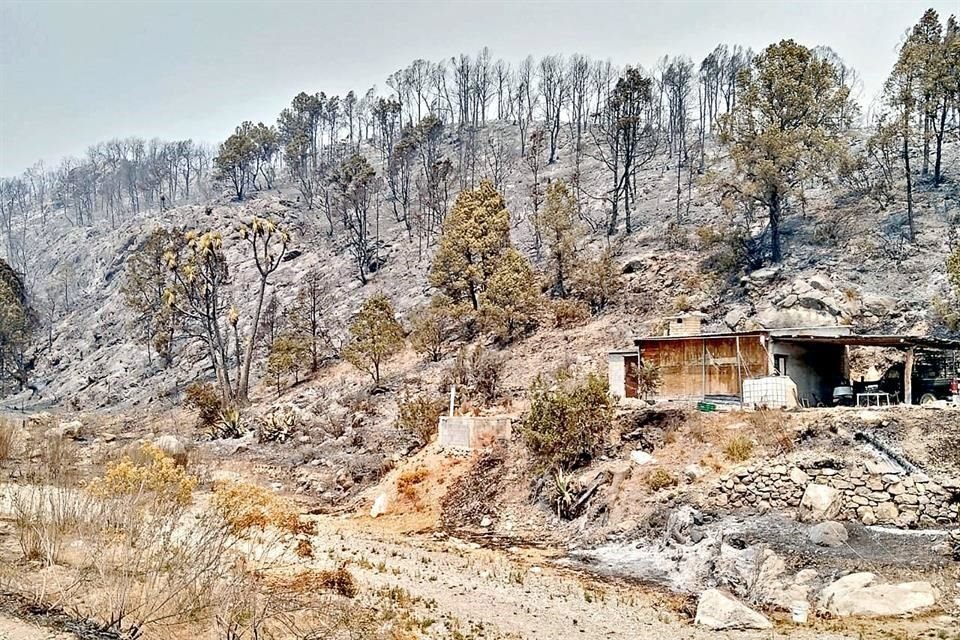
(927, 398)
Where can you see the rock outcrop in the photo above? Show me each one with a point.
(720, 612)
(861, 594)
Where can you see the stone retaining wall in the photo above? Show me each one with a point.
(868, 495)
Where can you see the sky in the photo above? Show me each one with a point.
(73, 73)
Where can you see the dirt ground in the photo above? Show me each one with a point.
(520, 592)
(13, 629)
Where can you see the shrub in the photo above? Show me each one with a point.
(477, 373)
(229, 424)
(738, 448)
(420, 415)
(247, 507)
(648, 377)
(567, 423)
(409, 481)
(510, 306)
(8, 439)
(205, 398)
(278, 426)
(597, 281)
(569, 313)
(660, 479)
(433, 326)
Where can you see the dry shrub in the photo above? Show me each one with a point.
(420, 415)
(738, 448)
(152, 473)
(409, 481)
(43, 516)
(660, 479)
(204, 397)
(477, 374)
(246, 507)
(8, 439)
(339, 581)
(770, 428)
(708, 237)
(569, 313)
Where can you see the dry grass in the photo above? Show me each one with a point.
(738, 448)
(661, 479)
(8, 440)
(408, 484)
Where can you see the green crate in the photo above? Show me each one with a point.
(706, 406)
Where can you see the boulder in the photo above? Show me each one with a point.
(380, 505)
(718, 611)
(887, 512)
(866, 515)
(633, 265)
(694, 472)
(819, 502)
(764, 275)
(72, 429)
(734, 317)
(879, 306)
(860, 594)
(820, 282)
(828, 534)
(797, 476)
(172, 447)
(639, 456)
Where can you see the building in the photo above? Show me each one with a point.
(696, 366)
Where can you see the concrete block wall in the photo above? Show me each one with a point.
(471, 432)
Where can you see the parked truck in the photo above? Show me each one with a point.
(935, 377)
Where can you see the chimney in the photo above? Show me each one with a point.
(684, 325)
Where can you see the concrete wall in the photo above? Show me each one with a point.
(617, 374)
(815, 369)
(472, 432)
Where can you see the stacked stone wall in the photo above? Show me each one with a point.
(869, 496)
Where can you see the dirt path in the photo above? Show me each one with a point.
(512, 593)
(13, 629)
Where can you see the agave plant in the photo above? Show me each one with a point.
(566, 492)
(229, 424)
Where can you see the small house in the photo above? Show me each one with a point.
(725, 366)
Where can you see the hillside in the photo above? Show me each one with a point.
(864, 276)
(145, 495)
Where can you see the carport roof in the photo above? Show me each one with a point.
(875, 340)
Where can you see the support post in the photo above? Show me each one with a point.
(739, 375)
(908, 377)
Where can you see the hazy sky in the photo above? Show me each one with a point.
(75, 72)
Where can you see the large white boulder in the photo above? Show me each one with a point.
(819, 502)
(718, 611)
(828, 534)
(380, 505)
(172, 447)
(860, 594)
